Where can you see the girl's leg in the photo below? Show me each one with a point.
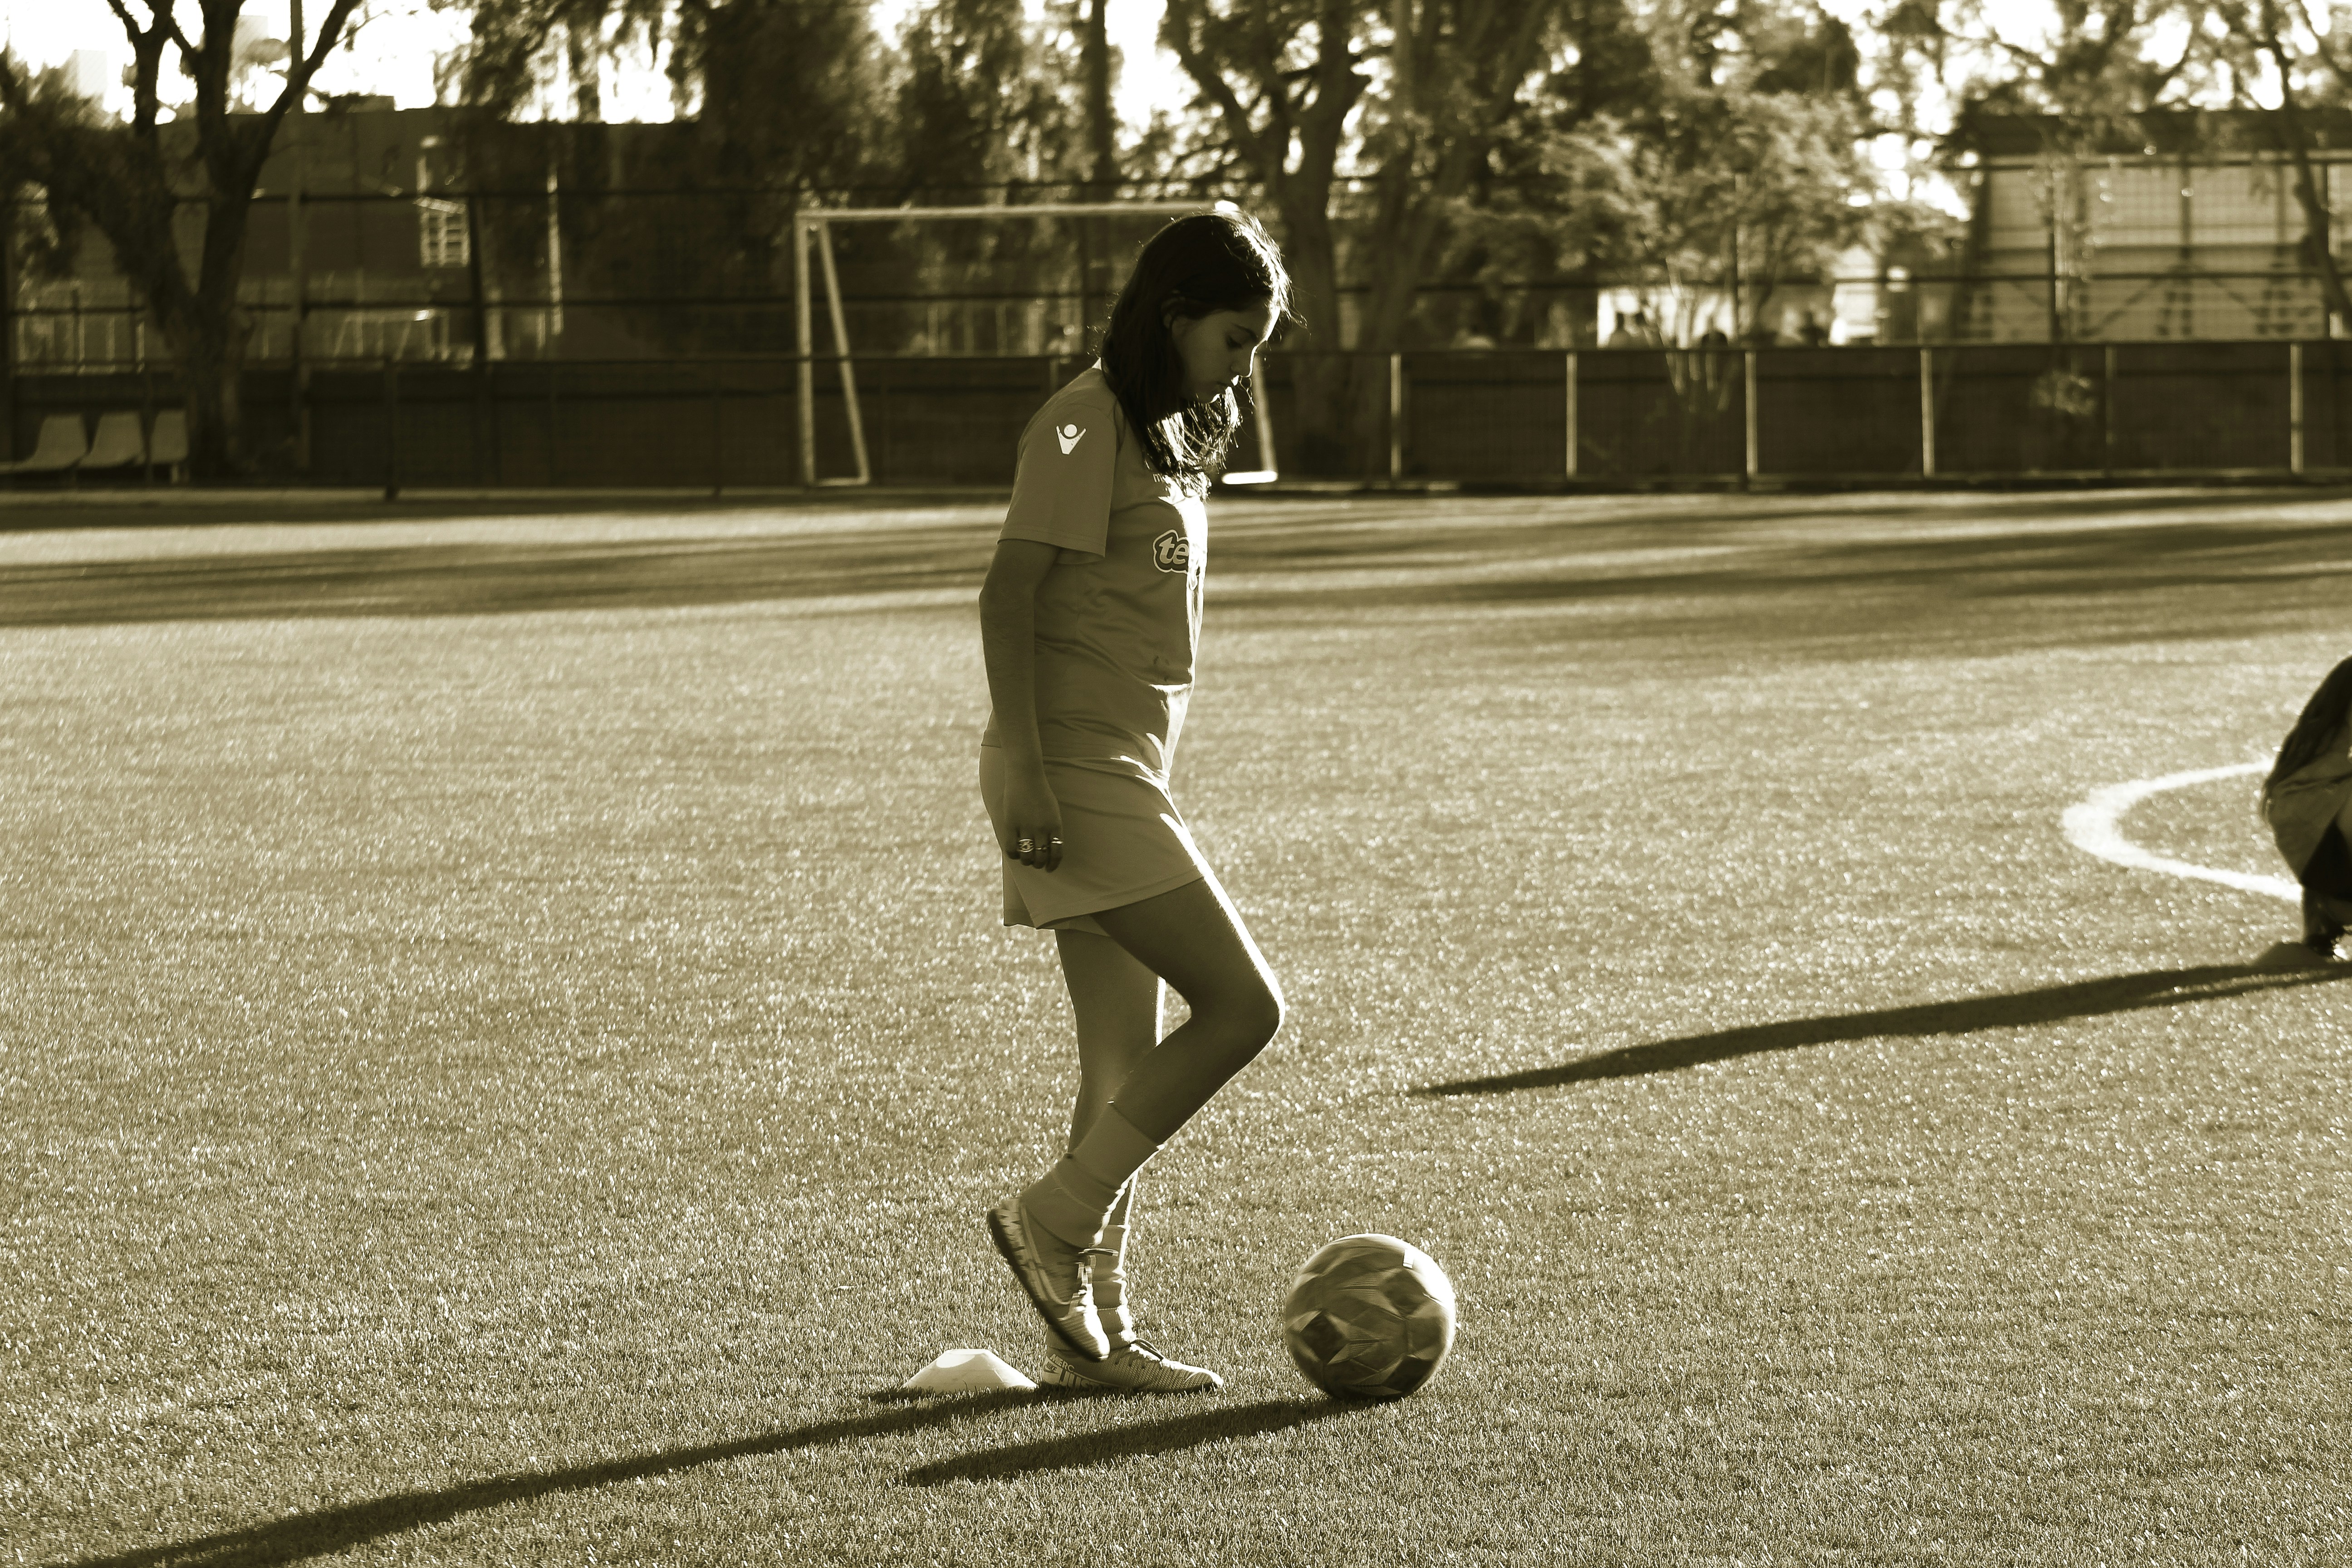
(1192, 938)
(1115, 999)
(1114, 1002)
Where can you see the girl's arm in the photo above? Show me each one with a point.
(1008, 631)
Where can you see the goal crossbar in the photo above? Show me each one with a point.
(813, 227)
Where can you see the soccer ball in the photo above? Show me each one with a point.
(1369, 1317)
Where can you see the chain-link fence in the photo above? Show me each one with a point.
(1527, 419)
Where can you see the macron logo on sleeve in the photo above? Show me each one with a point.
(1067, 434)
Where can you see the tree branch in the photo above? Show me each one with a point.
(1179, 29)
(300, 72)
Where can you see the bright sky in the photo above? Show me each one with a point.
(399, 40)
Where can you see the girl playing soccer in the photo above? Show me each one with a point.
(2307, 801)
(1088, 620)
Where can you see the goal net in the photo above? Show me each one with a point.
(1033, 280)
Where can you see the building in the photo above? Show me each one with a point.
(2167, 226)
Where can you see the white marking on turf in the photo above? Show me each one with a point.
(2091, 824)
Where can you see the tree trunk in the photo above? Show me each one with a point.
(207, 331)
(1319, 369)
(1102, 134)
(210, 377)
(1312, 122)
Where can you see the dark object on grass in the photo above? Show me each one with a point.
(2017, 1009)
(2304, 798)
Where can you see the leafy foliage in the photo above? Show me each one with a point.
(172, 198)
(1739, 159)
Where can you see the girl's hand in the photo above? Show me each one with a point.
(1032, 821)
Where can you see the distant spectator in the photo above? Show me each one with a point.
(1811, 334)
(1714, 338)
(1634, 332)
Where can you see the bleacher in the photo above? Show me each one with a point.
(122, 444)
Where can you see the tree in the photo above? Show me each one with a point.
(1735, 168)
(1437, 82)
(1718, 196)
(2306, 63)
(781, 98)
(985, 100)
(173, 197)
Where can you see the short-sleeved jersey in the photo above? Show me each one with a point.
(1118, 615)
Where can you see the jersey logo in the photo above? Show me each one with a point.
(1067, 434)
(1171, 552)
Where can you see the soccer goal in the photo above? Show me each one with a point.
(813, 233)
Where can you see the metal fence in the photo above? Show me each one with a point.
(1506, 418)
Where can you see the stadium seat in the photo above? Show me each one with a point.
(170, 449)
(62, 444)
(121, 443)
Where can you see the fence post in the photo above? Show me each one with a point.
(1747, 409)
(391, 429)
(8, 327)
(1570, 357)
(1396, 418)
(803, 336)
(2107, 412)
(489, 402)
(1926, 412)
(2294, 408)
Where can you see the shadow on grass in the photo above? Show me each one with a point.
(338, 1529)
(473, 578)
(1518, 554)
(1082, 1449)
(2049, 1005)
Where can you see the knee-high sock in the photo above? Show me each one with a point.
(1110, 1275)
(1074, 1199)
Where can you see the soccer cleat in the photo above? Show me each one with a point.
(2321, 929)
(1136, 1367)
(1052, 1275)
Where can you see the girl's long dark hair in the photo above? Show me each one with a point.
(1201, 263)
(2323, 719)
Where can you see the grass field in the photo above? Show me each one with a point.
(505, 1041)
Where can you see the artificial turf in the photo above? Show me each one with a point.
(505, 1041)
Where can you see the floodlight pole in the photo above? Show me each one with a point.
(805, 226)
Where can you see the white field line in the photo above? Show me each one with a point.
(2092, 825)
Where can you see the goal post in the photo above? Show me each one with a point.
(812, 230)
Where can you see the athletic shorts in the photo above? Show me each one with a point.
(1123, 842)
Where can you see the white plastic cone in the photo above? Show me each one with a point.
(965, 1372)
